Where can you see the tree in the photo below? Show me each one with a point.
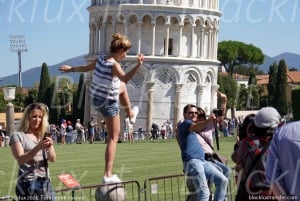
(243, 97)
(79, 100)
(45, 83)
(232, 53)
(280, 98)
(293, 69)
(31, 97)
(54, 109)
(247, 70)
(272, 83)
(229, 87)
(19, 100)
(252, 79)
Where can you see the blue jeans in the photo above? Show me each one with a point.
(108, 108)
(35, 190)
(217, 177)
(195, 171)
(222, 167)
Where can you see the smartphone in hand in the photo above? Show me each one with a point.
(47, 134)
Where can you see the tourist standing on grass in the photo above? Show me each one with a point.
(91, 130)
(154, 131)
(79, 131)
(54, 133)
(69, 130)
(63, 131)
(129, 129)
(107, 89)
(31, 149)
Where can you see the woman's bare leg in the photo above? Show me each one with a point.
(124, 99)
(113, 130)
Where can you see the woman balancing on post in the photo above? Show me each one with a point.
(107, 88)
(32, 149)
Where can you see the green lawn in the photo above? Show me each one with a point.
(137, 161)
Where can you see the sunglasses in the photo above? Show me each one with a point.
(196, 113)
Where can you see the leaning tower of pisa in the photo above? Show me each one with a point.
(179, 40)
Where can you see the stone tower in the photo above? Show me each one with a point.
(179, 40)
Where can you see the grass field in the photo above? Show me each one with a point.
(137, 161)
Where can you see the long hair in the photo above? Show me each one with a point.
(24, 125)
(245, 126)
(119, 42)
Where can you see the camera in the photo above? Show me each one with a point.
(218, 112)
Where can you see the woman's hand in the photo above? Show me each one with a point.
(65, 69)
(140, 59)
(47, 142)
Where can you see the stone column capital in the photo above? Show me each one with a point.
(215, 88)
(150, 85)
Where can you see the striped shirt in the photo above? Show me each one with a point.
(103, 85)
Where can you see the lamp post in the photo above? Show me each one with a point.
(18, 44)
(9, 95)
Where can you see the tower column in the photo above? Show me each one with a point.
(200, 95)
(139, 24)
(125, 28)
(178, 113)
(214, 103)
(215, 44)
(192, 41)
(153, 38)
(167, 39)
(198, 43)
(150, 86)
(180, 36)
(92, 33)
(102, 32)
(96, 40)
(208, 43)
(202, 39)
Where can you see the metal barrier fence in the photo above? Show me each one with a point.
(126, 190)
(166, 188)
(163, 188)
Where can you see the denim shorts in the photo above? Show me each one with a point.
(108, 108)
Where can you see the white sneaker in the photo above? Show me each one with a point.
(113, 179)
(135, 111)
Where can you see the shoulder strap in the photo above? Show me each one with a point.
(255, 161)
(206, 141)
(46, 163)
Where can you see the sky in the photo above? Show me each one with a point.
(57, 30)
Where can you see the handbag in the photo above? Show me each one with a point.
(242, 193)
(220, 158)
(36, 189)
